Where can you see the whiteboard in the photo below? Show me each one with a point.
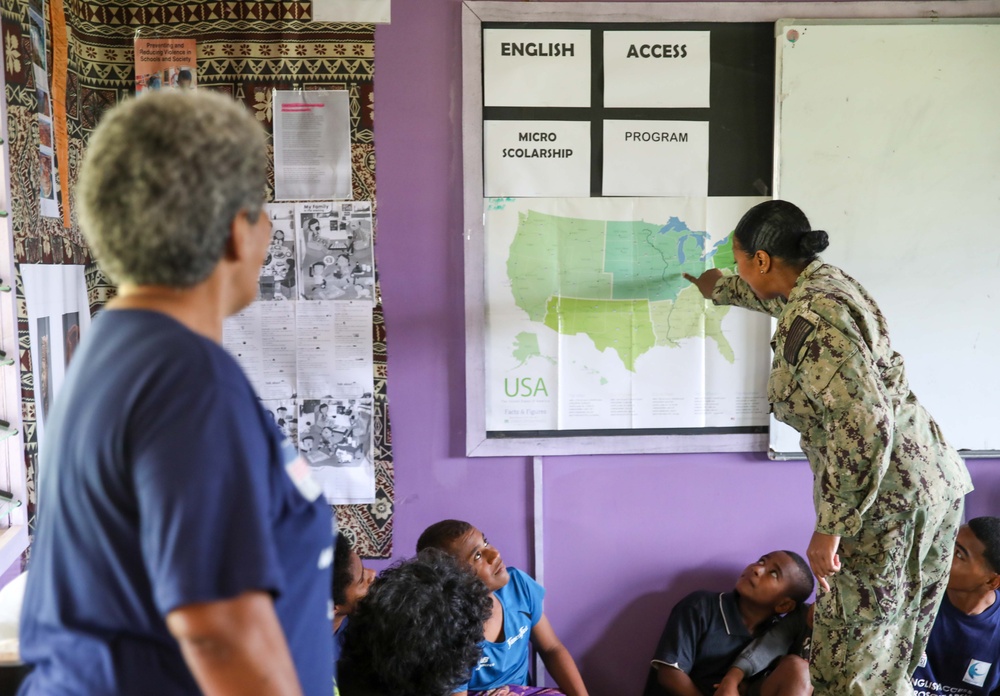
(887, 136)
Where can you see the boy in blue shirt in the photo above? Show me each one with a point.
(963, 651)
(707, 631)
(515, 619)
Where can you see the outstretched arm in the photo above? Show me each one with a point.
(557, 659)
(731, 290)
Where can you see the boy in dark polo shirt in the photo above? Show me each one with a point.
(707, 631)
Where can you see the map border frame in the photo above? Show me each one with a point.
(474, 12)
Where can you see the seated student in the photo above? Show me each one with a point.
(416, 632)
(707, 630)
(516, 609)
(351, 581)
(963, 651)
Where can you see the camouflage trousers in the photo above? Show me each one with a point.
(871, 628)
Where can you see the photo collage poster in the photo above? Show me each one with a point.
(306, 343)
(58, 315)
(49, 206)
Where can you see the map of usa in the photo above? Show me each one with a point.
(620, 283)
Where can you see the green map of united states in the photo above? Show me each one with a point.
(619, 283)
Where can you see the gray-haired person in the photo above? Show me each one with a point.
(181, 546)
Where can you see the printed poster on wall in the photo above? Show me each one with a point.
(312, 145)
(55, 297)
(310, 356)
(591, 325)
(164, 63)
(48, 205)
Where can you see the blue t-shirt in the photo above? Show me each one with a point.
(164, 483)
(962, 653)
(507, 662)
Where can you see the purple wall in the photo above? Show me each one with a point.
(626, 536)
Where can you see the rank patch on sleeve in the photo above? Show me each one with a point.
(797, 335)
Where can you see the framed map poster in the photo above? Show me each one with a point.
(606, 157)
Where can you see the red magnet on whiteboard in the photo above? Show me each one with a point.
(792, 35)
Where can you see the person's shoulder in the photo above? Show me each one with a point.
(520, 587)
(700, 600)
(834, 297)
(519, 579)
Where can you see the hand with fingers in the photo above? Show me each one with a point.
(823, 557)
(706, 281)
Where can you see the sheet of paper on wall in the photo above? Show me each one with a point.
(55, 298)
(262, 339)
(367, 11)
(164, 62)
(48, 205)
(336, 379)
(334, 348)
(336, 439)
(536, 67)
(655, 158)
(312, 145)
(657, 69)
(549, 159)
(334, 247)
(277, 280)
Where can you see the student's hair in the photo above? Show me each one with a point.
(183, 74)
(341, 569)
(417, 631)
(782, 230)
(163, 177)
(801, 584)
(442, 533)
(987, 530)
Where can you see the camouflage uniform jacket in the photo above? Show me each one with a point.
(874, 450)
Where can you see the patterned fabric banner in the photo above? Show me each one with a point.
(245, 49)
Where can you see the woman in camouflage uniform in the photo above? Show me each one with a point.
(888, 488)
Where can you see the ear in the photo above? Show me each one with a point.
(237, 246)
(994, 582)
(762, 260)
(785, 605)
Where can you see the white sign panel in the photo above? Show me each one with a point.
(536, 67)
(655, 158)
(537, 158)
(369, 11)
(657, 69)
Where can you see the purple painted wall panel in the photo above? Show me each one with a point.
(625, 537)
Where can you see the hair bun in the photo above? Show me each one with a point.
(813, 242)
